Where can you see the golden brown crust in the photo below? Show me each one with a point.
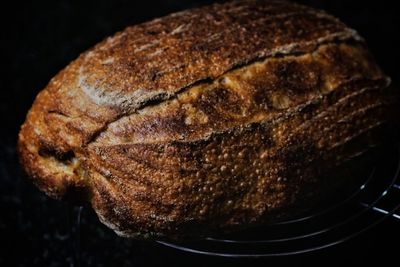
(205, 120)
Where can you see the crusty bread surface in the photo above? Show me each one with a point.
(206, 120)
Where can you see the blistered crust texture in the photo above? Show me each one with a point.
(206, 120)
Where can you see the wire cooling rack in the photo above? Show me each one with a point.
(375, 197)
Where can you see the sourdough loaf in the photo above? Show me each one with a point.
(206, 120)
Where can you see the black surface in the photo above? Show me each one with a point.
(39, 38)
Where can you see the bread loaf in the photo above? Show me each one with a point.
(206, 120)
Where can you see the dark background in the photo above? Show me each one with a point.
(38, 38)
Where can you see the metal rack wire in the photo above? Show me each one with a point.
(375, 198)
